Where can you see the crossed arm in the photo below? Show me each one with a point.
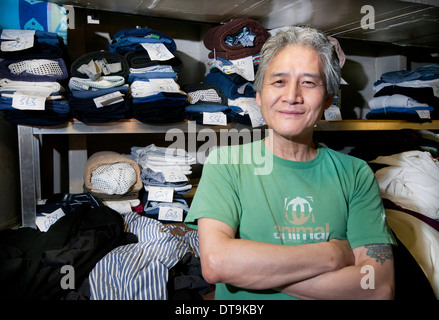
(325, 270)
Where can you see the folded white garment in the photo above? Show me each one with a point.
(396, 100)
(411, 180)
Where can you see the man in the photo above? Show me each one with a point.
(314, 227)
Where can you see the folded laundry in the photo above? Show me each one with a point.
(103, 82)
(396, 100)
(421, 94)
(46, 45)
(36, 118)
(414, 114)
(215, 39)
(141, 59)
(429, 72)
(34, 69)
(39, 67)
(233, 86)
(161, 155)
(7, 85)
(128, 40)
(99, 63)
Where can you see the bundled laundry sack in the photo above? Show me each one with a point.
(111, 176)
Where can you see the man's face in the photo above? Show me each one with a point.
(293, 94)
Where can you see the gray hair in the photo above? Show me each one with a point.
(306, 36)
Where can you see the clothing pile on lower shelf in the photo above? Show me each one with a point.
(33, 75)
(93, 248)
(407, 95)
(164, 175)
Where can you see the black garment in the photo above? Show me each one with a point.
(30, 260)
(185, 280)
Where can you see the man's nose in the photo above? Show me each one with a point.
(293, 93)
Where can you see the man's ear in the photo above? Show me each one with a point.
(258, 99)
(328, 102)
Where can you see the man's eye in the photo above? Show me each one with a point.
(278, 83)
(308, 84)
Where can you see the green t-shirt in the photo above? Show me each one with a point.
(269, 199)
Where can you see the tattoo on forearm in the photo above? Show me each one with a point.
(380, 251)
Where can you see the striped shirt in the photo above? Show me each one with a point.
(139, 271)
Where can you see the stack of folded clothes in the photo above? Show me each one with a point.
(154, 65)
(164, 170)
(33, 75)
(98, 88)
(204, 97)
(110, 176)
(407, 95)
(233, 62)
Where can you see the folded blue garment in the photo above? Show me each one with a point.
(429, 72)
(57, 106)
(128, 40)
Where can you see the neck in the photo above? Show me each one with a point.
(290, 148)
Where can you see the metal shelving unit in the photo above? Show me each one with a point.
(29, 147)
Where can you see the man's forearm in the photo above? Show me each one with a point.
(257, 265)
(369, 280)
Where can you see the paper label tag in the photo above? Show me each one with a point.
(332, 114)
(173, 175)
(24, 101)
(18, 39)
(44, 222)
(157, 51)
(165, 85)
(215, 118)
(244, 67)
(161, 194)
(108, 99)
(254, 113)
(423, 114)
(171, 214)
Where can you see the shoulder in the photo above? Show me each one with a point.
(343, 159)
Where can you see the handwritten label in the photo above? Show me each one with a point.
(171, 214)
(44, 222)
(165, 85)
(23, 101)
(244, 67)
(157, 51)
(333, 113)
(161, 194)
(108, 99)
(423, 114)
(17, 39)
(215, 118)
(174, 175)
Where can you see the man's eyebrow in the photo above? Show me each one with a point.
(305, 74)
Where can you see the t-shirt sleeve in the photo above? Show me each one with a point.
(367, 218)
(216, 196)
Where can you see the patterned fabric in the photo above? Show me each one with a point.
(34, 15)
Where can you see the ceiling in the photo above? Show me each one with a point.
(402, 22)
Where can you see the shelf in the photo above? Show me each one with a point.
(375, 125)
(134, 126)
